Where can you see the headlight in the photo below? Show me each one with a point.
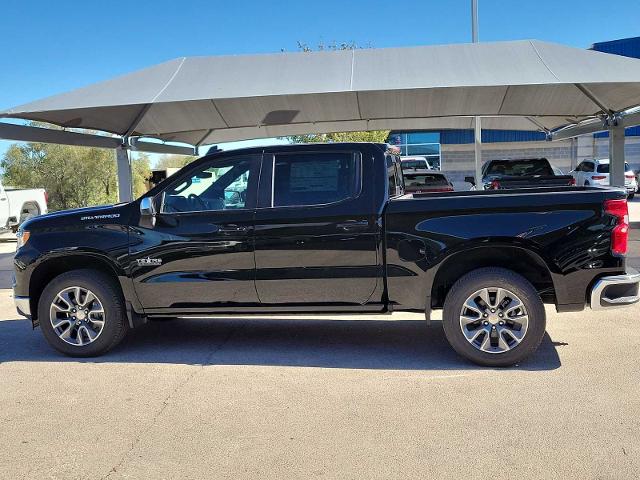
(23, 238)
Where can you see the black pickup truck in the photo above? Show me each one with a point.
(318, 229)
(513, 173)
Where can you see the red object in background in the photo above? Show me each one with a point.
(46, 197)
(495, 185)
(599, 177)
(446, 188)
(620, 233)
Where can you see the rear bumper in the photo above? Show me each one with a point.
(23, 306)
(616, 291)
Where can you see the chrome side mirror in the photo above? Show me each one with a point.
(147, 207)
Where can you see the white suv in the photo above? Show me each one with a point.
(596, 173)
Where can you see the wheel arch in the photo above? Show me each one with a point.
(49, 268)
(520, 260)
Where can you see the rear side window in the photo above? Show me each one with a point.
(315, 178)
(604, 167)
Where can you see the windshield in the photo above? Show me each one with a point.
(604, 168)
(518, 168)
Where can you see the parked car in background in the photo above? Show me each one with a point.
(415, 163)
(20, 204)
(426, 182)
(596, 173)
(520, 173)
(325, 228)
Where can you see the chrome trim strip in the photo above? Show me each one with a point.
(23, 306)
(604, 282)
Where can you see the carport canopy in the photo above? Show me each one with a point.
(519, 85)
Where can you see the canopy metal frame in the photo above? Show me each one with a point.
(179, 105)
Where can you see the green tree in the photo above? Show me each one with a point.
(72, 176)
(174, 161)
(376, 136)
(141, 172)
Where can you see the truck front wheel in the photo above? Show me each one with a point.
(82, 313)
(494, 317)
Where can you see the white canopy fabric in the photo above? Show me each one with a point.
(521, 85)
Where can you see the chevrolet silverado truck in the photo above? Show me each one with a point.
(325, 228)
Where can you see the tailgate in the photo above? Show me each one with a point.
(532, 181)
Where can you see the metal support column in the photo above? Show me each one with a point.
(477, 126)
(125, 176)
(616, 154)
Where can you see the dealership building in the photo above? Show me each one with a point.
(454, 149)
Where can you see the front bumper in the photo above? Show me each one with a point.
(23, 306)
(616, 291)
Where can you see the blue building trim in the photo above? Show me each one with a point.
(628, 132)
(457, 137)
(627, 47)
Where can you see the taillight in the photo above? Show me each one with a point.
(628, 175)
(495, 185)
(620, 233)
(572, 181)
(46, 197)
(599, 177)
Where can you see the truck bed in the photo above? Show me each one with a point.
(559, 228)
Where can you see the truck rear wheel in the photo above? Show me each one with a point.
(82, 313)
(494, 317)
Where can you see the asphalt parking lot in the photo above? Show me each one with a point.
(332, 397)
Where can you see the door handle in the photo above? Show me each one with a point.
(353, 225)
(233, 229)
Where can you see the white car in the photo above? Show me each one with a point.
(415, 163)
(20, 204)
(596, 173)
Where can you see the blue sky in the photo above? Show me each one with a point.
(50, 47)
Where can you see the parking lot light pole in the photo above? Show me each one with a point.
(477, 122)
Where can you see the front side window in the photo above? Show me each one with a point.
(315, 178)
(224, 184)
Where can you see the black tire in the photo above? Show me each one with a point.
(107, 290)
(502, 278)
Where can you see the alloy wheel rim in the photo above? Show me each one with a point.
(77, 316)
(494, 320)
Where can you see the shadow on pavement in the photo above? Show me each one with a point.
(359, 344)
